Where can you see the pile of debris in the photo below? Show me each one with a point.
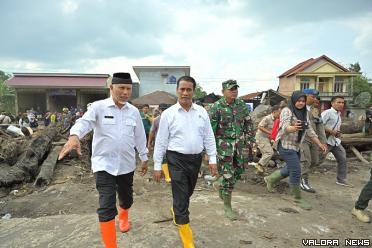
(26, 159)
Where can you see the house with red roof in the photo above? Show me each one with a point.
(321, 73)
(54, 91)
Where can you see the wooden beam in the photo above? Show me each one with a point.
(358, 155)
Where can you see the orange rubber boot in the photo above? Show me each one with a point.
(124, 225)
(108, 233)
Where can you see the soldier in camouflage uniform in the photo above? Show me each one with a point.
(233, 129)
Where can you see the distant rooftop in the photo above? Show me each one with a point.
(60, 80)
(138, 69)
(307, 63)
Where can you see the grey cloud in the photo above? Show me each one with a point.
(292, 12)
(39, 31)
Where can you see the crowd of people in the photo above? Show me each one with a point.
(34, 118)
(297, 131)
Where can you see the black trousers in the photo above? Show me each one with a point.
(107, 186)
(365, 195)
(183, 169)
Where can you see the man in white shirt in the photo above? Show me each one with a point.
(184, 132)
(332, 124)
(117, 131)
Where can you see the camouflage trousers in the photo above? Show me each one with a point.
(230, 169)
(310, 158)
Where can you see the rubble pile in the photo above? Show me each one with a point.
(26, 158)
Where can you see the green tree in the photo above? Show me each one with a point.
(7, 94)
(199, 92)
(355, 67)
(361, 83)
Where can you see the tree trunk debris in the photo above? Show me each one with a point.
(27, 167)
(47, 168)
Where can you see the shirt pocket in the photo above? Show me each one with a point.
(200, 124)
(129, 127)
(108, 121)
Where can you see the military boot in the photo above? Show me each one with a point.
(272, 179)
(231, 214)
(217, 185)
(299, 201)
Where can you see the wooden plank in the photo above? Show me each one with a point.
(358, 155)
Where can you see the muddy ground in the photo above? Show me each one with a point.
(63, 214)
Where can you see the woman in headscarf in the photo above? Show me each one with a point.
(293, 128)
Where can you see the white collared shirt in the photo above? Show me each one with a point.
(332, 120)
(186, 132)
(116, 132)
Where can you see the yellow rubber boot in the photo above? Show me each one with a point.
(166, 172)
(173, 216)
(186, 235)
(108, 233)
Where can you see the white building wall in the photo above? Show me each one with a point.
(158, 79)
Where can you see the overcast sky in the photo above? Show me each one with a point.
(252, 41)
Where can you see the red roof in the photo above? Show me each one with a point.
(48, 80)
(305, 64)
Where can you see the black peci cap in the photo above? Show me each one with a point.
(121, 78)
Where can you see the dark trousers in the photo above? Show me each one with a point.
(183, 169)
(340, 155)
(365, 195)
(107, 186)
(293, 166)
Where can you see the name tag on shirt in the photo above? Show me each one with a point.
(108, 120)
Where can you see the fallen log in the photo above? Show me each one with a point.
(47, 168)
(358, 155)
(356, 139)
(355, 135)
(27, 166)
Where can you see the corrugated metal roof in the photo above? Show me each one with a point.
(250, 96)
(53, 80)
